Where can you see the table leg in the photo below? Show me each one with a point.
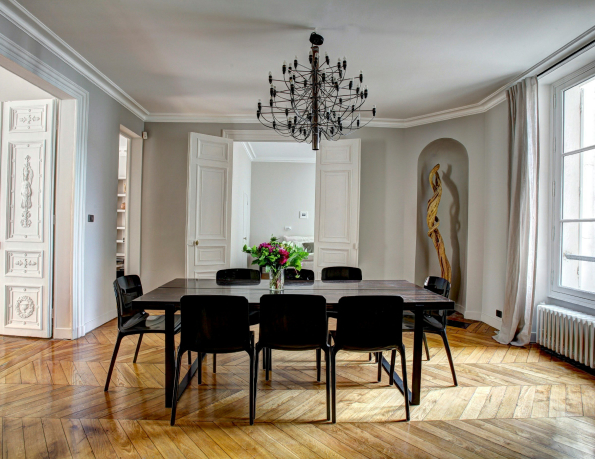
(170, 357)
(418, 336)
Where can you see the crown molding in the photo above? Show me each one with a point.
(24, 20)
(249, 151)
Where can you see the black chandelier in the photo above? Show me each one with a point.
(318, 100)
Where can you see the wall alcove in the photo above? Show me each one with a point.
(452, 212)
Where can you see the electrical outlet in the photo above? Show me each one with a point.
(498, 313)
(91, 218)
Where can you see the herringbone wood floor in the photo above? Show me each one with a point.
(511, 402)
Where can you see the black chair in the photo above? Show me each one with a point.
(293, 275)
(238, 276)
(214, 324)
(373, 331)
(434, 321)
(341, 273)
(133, 320)
(294, 323)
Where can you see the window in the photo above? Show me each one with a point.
(573, 271)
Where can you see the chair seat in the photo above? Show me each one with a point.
(254, 317)
(430, 323)
(145, 323)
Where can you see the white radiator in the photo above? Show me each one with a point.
(567, 332)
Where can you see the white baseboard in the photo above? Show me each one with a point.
(62, 333)
(472, 315)
(495, 322)
(97, 322)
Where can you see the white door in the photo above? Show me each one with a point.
(26, 217)
(208, 216)
(336, 231)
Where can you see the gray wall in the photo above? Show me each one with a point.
(105, 117)
(279, 192)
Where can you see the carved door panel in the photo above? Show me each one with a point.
(336, 228)
(208, 215)
(26, 217)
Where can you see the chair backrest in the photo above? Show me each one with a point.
(293, 322)
(126, 289)
(336, 273)
(214, 323)
(437, 285)
(238, 276)
(369, 323)
(291, 274)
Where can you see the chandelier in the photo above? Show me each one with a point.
(317, 101)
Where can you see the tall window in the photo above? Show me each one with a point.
(574, 214)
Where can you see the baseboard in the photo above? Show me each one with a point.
(460, 308)
(97, 322)
(62, 333)
(495, 322)
(472, 315)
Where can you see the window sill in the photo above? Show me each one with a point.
(572, 299)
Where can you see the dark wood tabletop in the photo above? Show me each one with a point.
(413, 295)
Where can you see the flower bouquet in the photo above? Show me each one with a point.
(276, 256)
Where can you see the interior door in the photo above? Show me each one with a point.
(208, 217)
(336, 231)
(26, 222)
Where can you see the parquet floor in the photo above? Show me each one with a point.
(510, 402)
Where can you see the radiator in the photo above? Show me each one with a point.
(567, 332)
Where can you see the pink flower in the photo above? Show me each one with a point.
(284, 256)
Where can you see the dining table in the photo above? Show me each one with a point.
(416, 299)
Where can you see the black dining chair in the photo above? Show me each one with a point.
(341, 273)
(214, 324)
(292, 275)
(434, 321)
(133, 320)
(373, 331)
(238, 276)
(294, 323)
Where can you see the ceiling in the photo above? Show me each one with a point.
(13, 87)
(291, 152)
(211, 58)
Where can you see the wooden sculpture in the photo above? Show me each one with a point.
(434, 222)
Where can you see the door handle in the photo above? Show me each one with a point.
(192, 243)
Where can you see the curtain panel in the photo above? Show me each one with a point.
(523, 152)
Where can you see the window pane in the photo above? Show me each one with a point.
(579, 116)
(578, 256)
(578, 193)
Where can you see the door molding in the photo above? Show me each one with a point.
(10, 54)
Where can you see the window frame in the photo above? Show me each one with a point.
(556, 290)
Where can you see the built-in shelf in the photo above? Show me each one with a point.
(121, 210)
(121, 195)
(120, 228)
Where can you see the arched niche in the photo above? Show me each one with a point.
(452, 212)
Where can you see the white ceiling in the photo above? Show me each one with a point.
(291, 152)
(13, 87)
(211, 57)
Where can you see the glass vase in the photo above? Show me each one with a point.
(276, 279)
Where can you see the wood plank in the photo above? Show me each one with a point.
(99, 442)
(77, 439)
(13, 445)
(35, 446)
(55, 438)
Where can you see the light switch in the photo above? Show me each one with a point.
(288, 228)
(303, 214)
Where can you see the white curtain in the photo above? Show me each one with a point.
(523, 152)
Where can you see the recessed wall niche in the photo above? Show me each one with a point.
(452, 212)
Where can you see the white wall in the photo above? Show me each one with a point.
(279, 192)
(105, 117)
(13, 87)
(241, 188)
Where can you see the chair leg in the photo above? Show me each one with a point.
(370, 357)
(379, 360)
(405, 388)
(251, 391)
(270, 359)
(449, 355)
(214, 363)
(174, 402)
(199, 371)
(189, 358)
(268, 368)
(318, 357)
(264, 358)
(334, 385)
(327, 383)
(140, 339)
(113, 362)
(426, 346)
(393, 358)
(255, 381)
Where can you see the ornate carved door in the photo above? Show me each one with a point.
(26, 217)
